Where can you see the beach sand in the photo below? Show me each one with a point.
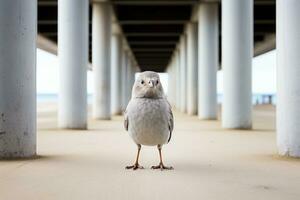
(209, 163)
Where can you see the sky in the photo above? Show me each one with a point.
(263, 74)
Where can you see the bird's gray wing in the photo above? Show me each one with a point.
(170, 120)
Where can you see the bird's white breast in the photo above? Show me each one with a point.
(148, 121)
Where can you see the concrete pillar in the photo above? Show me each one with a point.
(171, 81)
(168, 71)
(237, 52)
(192, 68)
(128, 82)
(124, 79)
(73, 63)
(174, 80)
(208, 60)
(133, 71)
(177, 90)
(128, 66)
(101, 59)
(288, 74)
(18, 22)
(130, 77)
(116, 64)
(183, 75)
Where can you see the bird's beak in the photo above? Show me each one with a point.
(151, 83)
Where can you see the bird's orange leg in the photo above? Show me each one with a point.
(161, 164)
(136, 165)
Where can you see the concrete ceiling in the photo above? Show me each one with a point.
(153, 27)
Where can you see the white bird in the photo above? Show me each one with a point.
(148, 116)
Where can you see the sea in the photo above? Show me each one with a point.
(256, 98)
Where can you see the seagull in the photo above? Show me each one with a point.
(148, 116)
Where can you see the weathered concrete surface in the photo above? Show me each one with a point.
(288, 73)
(18, 29)
(209, 162)
(116, 76)
(208, 60)
(73, 61)
(101, 52)
(183, 73)
(192, 68)
(237, 54)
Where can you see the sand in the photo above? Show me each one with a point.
(209, 162)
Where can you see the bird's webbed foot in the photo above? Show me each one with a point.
(134, 167)
(161, 166)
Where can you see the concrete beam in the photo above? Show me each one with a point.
(158, 34)
(150, 22)
(154, 59)
(267, 45)
(46, 44)
(166, 34)
(153, 43)
(149, 2)
(51, 47)
(153, 54)
(265, 2)
(47, 3)
(152, 50)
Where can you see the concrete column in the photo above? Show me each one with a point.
(237, 52)
(130, 77)
(208, 60)
(174, 80)
(171, 88)
(168, 71)
(124, 79)
(133, 71)
(128, 66)
(288, 74)
(192, 68)
(177, 90)
(183, 75)
(73, 63)
(18, 22)
(101, 59)
(116, 64)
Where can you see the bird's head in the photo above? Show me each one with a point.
(147, 85)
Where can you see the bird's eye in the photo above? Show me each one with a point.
(142, 82)
(157, 82)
